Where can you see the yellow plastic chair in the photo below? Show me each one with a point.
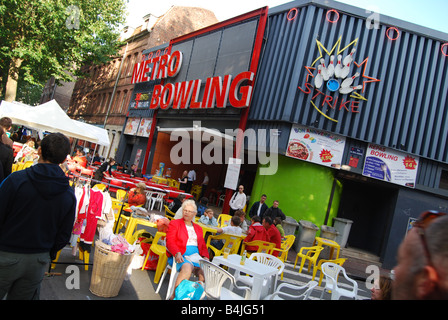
(224, 219)
(173, 183)
(196, 191)
(230, 241)
(27, 164)
(141, 233)
(53, 265)
(312, 253)
(285, 246)
(20, 166)
(100, 186)
(263, 246)
(339, 262)
(116, 206)
(176, 184)
(160, 250)
(84, 255)
(283, 251)
(168, 213)
(120, 194)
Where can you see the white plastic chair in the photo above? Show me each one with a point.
(221, 199)
(266, 259)
(148, 199)
(157, 199)
(173, 278)
(331, 272)
(279, 294)
(215, 277)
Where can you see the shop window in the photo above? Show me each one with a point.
(443, 184)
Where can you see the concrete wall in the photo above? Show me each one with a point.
(302, 189)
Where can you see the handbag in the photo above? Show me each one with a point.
(189, 290)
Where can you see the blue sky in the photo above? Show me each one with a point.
(428, 13)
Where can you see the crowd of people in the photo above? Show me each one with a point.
(38, 212)
(421, 272)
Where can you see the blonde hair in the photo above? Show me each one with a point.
(141, 186)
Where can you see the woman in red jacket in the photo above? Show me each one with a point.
(185, 243)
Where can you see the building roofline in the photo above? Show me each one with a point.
(361, 13)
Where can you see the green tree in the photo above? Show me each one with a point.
(40, 39)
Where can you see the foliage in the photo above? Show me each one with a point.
(53, 38)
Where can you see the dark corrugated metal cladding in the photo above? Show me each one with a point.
(406, 110)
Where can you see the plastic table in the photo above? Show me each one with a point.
(329, 243)
(259, 271)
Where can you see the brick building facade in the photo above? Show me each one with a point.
(104, 96)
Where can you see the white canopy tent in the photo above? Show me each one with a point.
(51, 118)
(99, 133)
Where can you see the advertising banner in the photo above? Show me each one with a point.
(316, 146)
(233, 173)
(390, 165)
(132, 126)
(144, 128)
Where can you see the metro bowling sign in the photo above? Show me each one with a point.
(185, 95)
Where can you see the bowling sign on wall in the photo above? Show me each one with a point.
(335, 80)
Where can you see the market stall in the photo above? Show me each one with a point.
(47, 117)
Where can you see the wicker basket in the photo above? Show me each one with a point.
(109, 271)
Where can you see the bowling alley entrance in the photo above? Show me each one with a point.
(370, 205)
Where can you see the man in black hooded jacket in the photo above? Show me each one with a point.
(37, 211)
(274, 212)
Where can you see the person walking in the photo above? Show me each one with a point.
(36, 219)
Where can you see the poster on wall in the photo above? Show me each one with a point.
(316, 146)
(144, 128)
(137, 157)
(132, 126)
(233, 173)
(390, 165)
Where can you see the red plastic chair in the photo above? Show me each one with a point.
(115, 183)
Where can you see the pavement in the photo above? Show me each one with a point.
(70, 281)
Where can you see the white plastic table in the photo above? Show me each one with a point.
(257, 270)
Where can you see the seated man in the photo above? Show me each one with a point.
(256, 231)
(272, 233)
